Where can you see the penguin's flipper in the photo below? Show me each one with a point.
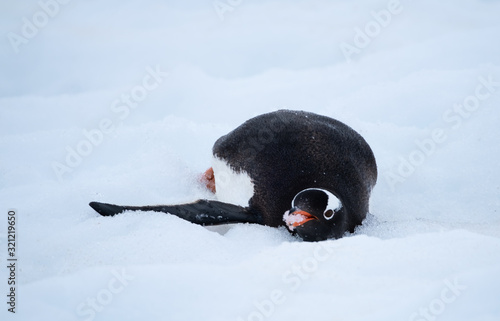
(107, 209)
(202, 212)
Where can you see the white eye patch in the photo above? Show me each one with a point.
(333, 204)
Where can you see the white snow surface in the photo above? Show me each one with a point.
(126, 98)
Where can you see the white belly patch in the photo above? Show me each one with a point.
(231, 187)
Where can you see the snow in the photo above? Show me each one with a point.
(292, 220)
(122, 101)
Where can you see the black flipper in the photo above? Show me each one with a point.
(201, 212)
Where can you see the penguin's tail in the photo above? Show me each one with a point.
(202, 212)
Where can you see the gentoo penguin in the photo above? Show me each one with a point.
(308, 172)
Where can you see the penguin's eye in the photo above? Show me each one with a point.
(328, 214)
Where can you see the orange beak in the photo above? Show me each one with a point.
(302, 217)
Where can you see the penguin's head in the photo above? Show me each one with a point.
(312, 214)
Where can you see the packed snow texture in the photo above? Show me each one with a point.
(121, 102)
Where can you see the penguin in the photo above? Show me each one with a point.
(308, 172)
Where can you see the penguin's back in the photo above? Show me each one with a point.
(285, 152)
